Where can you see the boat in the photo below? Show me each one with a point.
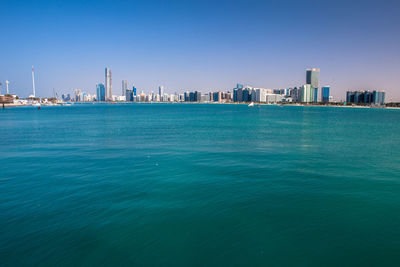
(251, 104)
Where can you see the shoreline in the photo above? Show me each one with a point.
(213, 103)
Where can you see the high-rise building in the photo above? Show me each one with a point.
(216, 97)
(235, 91)
(261, 95)
(366, 97)
(315, 94)
(124, 87)
(191, 96)
(101, 92)
(134, 90)
(294, 94)
(325, 94)
(129, 95)
(197, 96)
(306, 94)
(161, 92)
(312, 77)
(108, 85)
(238, 93)
(186, 96)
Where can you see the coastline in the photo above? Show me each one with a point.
(213, 103)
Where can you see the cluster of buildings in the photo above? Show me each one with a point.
(310, 92)
(366, 97)
(307, 93)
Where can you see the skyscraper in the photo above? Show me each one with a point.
(161, 92)
(315, 94)
(101, 92)
(312, 77)
(129, 95)
(325, 94)
(306, 93)
(108, 87)
(124, 87)
(33, 83)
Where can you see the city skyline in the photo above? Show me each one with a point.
(200, 45)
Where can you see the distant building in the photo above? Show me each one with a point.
(273, 98)
(366, 97)
(124, 87)
(379, 97)
(191, 97)
(217, 97)
(239, 95)
(325, 93)
(101, 92)
(197, 96)
(129, 95)
(294, 94)
(359, 97)
(306, 94)
(315, 94)
(108, 85)
(66, 97)
(161, 92)
(312, 77)
(78, 95)
(261, 95)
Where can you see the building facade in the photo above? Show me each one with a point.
(101, 92)
(366, 97)
(108, 84)
(325, 93)
(124, 87)
(312, 77)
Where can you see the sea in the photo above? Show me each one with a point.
(199, 185)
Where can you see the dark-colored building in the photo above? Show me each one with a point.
(366, 97)
(325, 94)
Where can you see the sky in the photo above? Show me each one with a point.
(199, 45)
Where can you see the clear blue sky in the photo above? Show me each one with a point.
(200, 45)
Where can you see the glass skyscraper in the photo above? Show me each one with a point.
(325, 94)
(101, 92)
(315, 94)
(312, 77)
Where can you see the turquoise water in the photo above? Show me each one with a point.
(199, 185)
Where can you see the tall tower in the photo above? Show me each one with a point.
(108, 82)
(312, 77)
(161, 92)
(124, 87)
(33, 83)
(7, 82)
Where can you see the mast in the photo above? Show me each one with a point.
(33, 83)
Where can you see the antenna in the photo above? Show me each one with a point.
(33, 83)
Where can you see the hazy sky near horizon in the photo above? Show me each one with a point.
(199, 45)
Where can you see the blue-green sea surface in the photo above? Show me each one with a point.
(199, 185)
